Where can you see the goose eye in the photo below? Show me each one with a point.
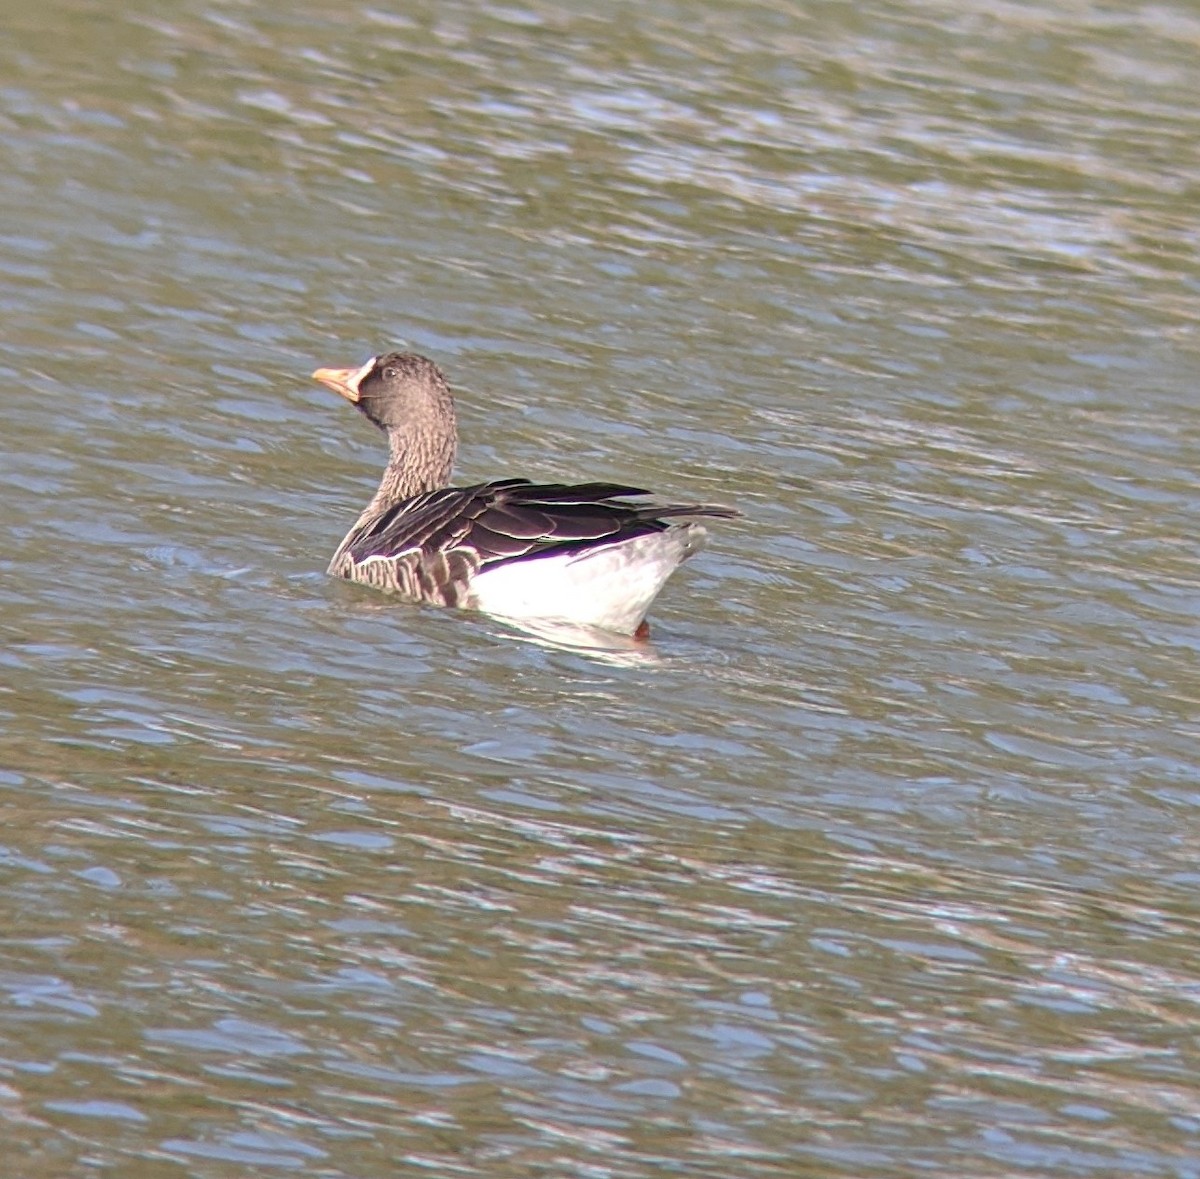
(389, 373)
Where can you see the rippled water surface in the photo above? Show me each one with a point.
(880, 861)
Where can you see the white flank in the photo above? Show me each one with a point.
(610, 586)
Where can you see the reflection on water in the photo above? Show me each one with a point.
(617, 650)
(875, 858)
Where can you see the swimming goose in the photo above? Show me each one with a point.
(586, 555)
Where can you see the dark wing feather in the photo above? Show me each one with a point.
(429, 523)
(513, 519)
(573, 493)
(492, 544)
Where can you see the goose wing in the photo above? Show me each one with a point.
(514, 519)
(500, 521)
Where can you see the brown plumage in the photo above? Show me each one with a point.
(445, 545)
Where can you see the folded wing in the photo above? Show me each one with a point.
(515, 520)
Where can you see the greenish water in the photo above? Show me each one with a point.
(880, 863)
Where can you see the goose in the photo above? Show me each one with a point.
(587, 555)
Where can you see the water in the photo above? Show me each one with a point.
(878, 862)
